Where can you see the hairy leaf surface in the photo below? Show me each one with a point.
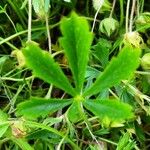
(76, 42)
(3, 123)
(44, 67)
(120, 68)
(112, 109)
(36, 107)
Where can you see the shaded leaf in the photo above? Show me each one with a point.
(139, 132)
(120, 68)
(43, 134)
(6, 65)
(111, 109)
(3, 116)
(125, 143)
(44, 67)
(36, 107)
(101, 50)
(91, 72)
(76, 42)
(74, 113)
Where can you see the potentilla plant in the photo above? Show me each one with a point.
(76, 41)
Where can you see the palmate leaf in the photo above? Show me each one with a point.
(111, 109)
(36, 107)
(76, 42)
(120, 68)
(44, 67)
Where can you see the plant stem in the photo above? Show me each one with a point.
(13, 79)
(29, 19)
(142, 6)
(11, 45)
(88, 125)
(138, 8)
(18, 12)
(127, 15)
(100, 5)
(142, 73)
(113, 94)
(48, 34)
(112, 10)
(131, 15)
(108, 141)
(121, 13)
(11, 22)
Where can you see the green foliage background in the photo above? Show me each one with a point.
(80, 79)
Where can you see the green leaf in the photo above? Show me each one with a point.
(6, 65)
(22, 143)
(76, 42)
(111, 109)
(44, 67)
(125, 143)
(3, 123)
(101, 50)
(50, 129)
(43, 134)
(3, 116)
(74, 112)
(120, 68)
(36, 107)
(3, 128)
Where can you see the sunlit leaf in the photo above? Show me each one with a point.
(111, 109)
(120, 68)
(44, 67)
(36, 107)
(76, 42)
(101, 51)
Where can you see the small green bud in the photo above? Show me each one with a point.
(41, 8)
(145, 61)
(109, 26)
(133, 38)
(142, 20)
(103, 5)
